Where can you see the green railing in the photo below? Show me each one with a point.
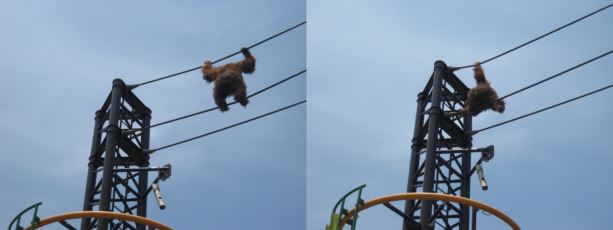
(35, 219)
(338, 214)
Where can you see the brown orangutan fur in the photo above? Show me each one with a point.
(229, 80)
(482, 97)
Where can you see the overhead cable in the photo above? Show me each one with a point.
(214, 108)
(541, 110)
(538, 38)
(218, 60)
(222, 129)
(557, 75)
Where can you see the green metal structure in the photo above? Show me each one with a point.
(338, 214)
(35, 219)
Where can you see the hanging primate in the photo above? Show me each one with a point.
(229, 80)
(482, 96)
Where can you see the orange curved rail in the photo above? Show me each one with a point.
(101, 214)
(431, 196)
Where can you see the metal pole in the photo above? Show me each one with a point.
(466, 168)
(414, 163)
(91, 169)
(144, 174)
(112, 137)
(433, 124)
(475, 210)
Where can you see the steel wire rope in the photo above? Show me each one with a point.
(218, 60)
(537, 38)
(541, 110)
(128, 131)
(557, 75)
(151, 151)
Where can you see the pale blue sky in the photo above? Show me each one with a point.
(368, 60)
(58, 60)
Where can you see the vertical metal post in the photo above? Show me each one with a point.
(414, 163)
(475, 210)
(91, 168)
(144, 174)
(112, 137)
(433, 121)
(466, 168)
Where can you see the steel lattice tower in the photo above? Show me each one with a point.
(117, 179)
(440, 161)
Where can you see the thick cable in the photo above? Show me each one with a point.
(218, 60)
(214, 108)
(557, 75)
(151, 151)
(538, 38)
(541, 110)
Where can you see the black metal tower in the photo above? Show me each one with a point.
(117, 177)
(440, 153)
